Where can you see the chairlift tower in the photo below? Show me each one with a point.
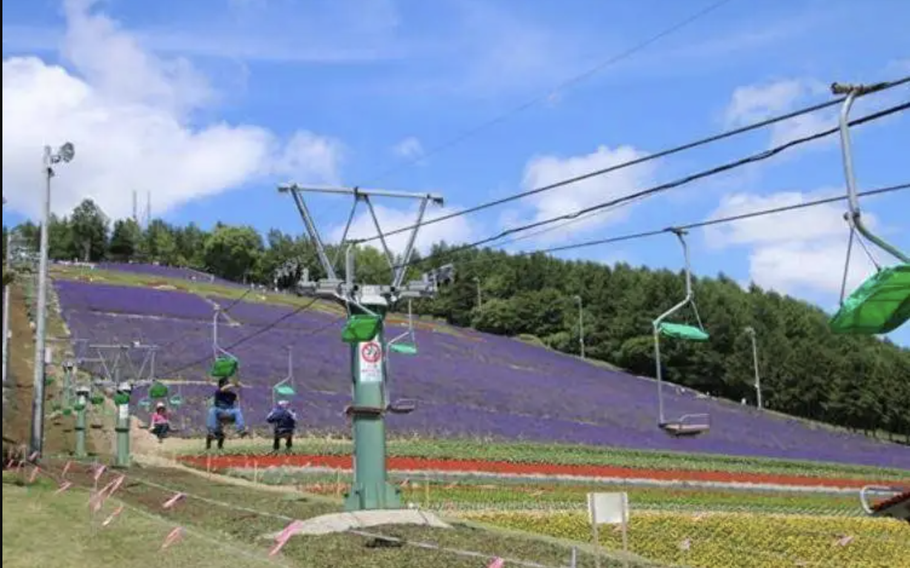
(367, 305)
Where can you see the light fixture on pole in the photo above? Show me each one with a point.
(581, 326)
(751, 331)
(64, 154)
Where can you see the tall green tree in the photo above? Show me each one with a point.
(126, 240)
(90, 229)
(233, 252)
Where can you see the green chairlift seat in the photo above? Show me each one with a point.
(404, 348)
(880, 305)
(96, 399)
(284, 390)
(158, 391)
(682, 331)
(360, 328)
(145, 404)
(225, 367)
(176, 401)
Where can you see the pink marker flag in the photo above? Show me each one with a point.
(173, 500)
(98, 472)
(112, 516)
(172, 537)
(10, 463)
(285, 535)
(34, 474)
(66, 468)
(115, 485)
(63, 487)
(34, 455)
(497, 563)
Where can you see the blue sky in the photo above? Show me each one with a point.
(209, 104)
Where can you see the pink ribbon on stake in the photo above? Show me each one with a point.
(63, 487)
(172, 537)
(112, 516)
(33, 456)
(34, 474)
(497, 563)
(66, 468)
(115, 485)
(98, 472)
(173, 500)
(285, 535)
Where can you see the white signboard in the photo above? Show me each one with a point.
(608, 508)
(370, 362)
(124, 411)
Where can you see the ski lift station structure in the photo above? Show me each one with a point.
(367, 306)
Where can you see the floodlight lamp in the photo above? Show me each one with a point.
(67, 152)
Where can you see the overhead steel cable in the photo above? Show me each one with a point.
(560, 87)
(661, 154)
(695, 225)
(760, 156)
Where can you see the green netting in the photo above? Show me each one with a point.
(284, 390)
(360, 328)
(681, 331)
(880, 305)
(158, 390)
(225, 367)
(405, 348)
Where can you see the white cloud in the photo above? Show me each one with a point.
(409, 148)
(454, 231)
(128, 114)
(545, 170)
(793, 252)
(753, 103)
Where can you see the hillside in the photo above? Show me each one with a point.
(468, 384)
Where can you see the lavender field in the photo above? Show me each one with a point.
(468, 384)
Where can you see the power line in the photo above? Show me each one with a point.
(562, 86)
(662, 154)
(679, 182)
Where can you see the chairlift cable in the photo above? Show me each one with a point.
(650, 157)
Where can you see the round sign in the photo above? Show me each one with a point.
(371, 353)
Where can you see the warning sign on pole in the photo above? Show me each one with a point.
(370, 362)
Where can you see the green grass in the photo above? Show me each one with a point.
(523, 452)
(43, 529)
(245, 528)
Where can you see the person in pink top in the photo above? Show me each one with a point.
(161, 425)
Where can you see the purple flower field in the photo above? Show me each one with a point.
(165, 272)
(468, 384)
(107, 298)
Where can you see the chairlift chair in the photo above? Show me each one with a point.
(285, 388)
(688, 424)
(405, 347)
(882, 303)
(225, 364)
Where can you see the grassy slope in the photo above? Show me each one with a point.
(40, 529)
(245, 529)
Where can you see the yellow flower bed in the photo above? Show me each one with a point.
(734, 540)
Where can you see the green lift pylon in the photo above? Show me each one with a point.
(367, 306)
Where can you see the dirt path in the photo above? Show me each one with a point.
(218, 463)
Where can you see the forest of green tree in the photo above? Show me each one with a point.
(859, 382)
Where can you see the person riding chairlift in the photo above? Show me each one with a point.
(224, 406)
(161, 424)
(285, 422)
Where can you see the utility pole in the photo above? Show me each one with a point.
(479, 294)
(6, 295)
(36, 442)
(751, 331)
(135, 207)
(148, 209)
(581, 326)
(368, 305)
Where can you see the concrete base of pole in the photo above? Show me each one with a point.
(343, 522)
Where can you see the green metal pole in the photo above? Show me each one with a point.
(81, 405)
(123, 435)
(371, 489)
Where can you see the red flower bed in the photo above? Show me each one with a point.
(420, 464)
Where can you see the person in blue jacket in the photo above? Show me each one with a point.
(284, 421)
